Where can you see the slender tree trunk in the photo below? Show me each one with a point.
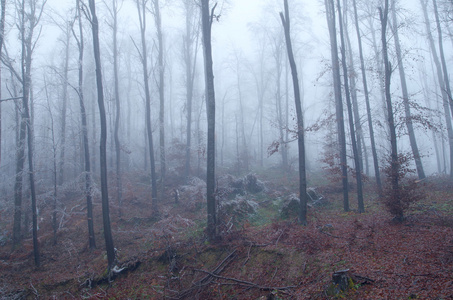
(144, 57)
(330, 12)
(119, 183)
(300, 120)
(86, 145)
(207, 16)
(103, 142)
(446, 78)
(440, 79)
(64, 98)
(367, 102)
(357, 158)
(158, 21)
(407, 109)
(2, 34)
(394, 176)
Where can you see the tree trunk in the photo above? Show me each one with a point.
(2, 34)
(357, 159)
(394, 175)
(144, 57)
(330, 13)
(103, 141)
(445, 73)
(407, 109)
(367, 102)
(207, 16)
(64, 98)
(158, 21)
(86, 145)
(300, 121)
(119, 183)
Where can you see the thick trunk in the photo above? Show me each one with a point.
(300, 121)
(103, 141)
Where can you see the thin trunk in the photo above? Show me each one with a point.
(103, 141)
(207, 16)
(367, 102)
(300, 121)
(61, 164)
(330, 12)
(86, 145)
(394, 175)
(2, 34)
(356, 154)
(119, 184)
(144, 57)
(446, 78)
(407, 109)
(158, 21)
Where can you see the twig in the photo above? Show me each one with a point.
(247, 283)
(248, 255)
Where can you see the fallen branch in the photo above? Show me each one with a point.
(247, 283)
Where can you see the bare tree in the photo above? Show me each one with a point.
(103, 142)
(367, 101)
(207, 16)
(358, 170)
(330, 13)
(407, 108)
(300, 121)
(141, 8)
(2, 35)
(394, 173)
(83, 116)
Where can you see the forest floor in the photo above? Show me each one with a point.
(259, 256)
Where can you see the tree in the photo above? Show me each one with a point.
(83, 116)
(141, 8)
(394, 167)
(367, 101)
(207, 16)
(161, 69)
(440, 79)
(103, 141)
(300, 121)
(358, 171)
(407, 109)
(190, 59)
(2, 35)
(330, 13)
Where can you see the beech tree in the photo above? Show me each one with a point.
(141, 8)
(103, 142)
(83, 115)
(330, 14)
(207, 16)
(300, 121)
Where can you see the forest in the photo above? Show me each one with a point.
(226, 149)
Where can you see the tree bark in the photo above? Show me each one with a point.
(367, 102)
(330, 13)
(86, 145)
(300, 121)
(207, 16)
(103, 141)
(141, 8)
(394, 175)
(357, 159)
(407, 108)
